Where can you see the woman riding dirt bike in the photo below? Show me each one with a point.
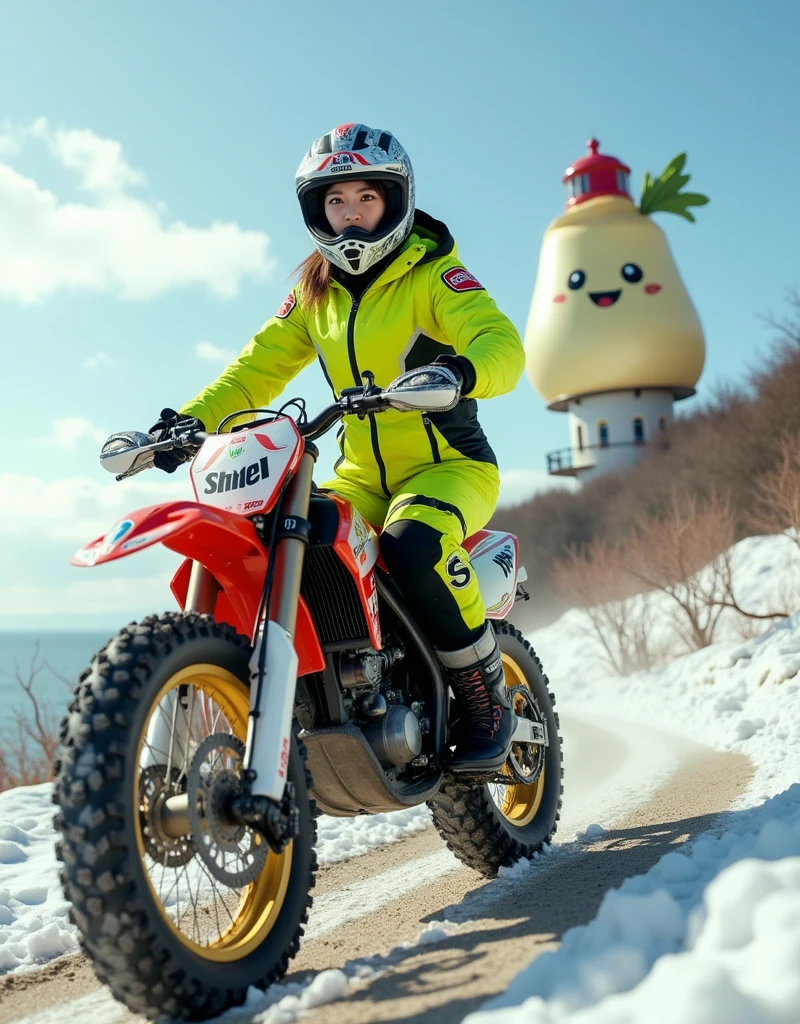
(312, 663)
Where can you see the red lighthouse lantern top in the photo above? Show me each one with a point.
(597, 174)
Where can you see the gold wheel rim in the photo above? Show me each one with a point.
(520, 803)
(261, 902)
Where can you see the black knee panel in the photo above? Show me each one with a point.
(411, 550)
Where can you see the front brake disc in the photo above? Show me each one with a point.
(169, 851)
(233, 853)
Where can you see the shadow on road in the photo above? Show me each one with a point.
(520, 915)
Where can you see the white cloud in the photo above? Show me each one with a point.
(98, 162)
(518, 485)
(205, 350)
(10, 141)
(97, 361)
(78, 508)
(68, 431)
(118, 244)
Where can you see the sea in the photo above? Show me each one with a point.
(59, 657)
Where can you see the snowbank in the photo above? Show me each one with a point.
(734, 695)
(712, 934)
(34, 926)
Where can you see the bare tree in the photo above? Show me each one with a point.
(777, 493)
(619, 618)
(688, 555)
(26, 756)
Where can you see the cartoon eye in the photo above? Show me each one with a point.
(576, 280)
(632, 272)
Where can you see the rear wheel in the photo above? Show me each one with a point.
(494, 825)
(177, 920)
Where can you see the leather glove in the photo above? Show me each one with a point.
(462, 368)
(170, 420)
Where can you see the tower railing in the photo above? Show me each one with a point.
(560, 462)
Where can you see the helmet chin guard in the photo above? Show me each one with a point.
(361, 153)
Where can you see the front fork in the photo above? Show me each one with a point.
(272, 692)
(266, 757)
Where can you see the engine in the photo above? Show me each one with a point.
(392, 722)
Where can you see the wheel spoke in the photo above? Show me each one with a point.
(189, 874)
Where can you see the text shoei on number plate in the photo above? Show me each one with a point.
(242, 472)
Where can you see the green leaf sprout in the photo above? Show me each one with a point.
(663, 195)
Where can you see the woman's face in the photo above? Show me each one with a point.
(353, 204)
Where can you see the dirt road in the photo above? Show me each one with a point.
(369, 906)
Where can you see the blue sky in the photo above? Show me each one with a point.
(123, 122)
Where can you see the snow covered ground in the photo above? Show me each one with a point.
(712, 934)
(34, 926)
(33, 914)
(707, 935)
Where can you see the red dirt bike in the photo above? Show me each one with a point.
(199, 743)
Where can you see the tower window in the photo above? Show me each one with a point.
(638, 430)
(602, 433)
(580, 438)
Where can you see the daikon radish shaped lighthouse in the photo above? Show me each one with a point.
(612, 337)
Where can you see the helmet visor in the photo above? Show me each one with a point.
(311, 195)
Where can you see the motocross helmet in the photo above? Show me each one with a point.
(359, 152)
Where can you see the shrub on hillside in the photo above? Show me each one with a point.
(687, 556)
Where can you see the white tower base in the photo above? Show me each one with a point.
(612, 430)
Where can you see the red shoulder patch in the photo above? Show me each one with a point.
(286, 306)
(460, 280)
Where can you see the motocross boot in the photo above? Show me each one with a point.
(483, 734)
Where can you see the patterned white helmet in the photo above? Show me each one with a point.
(360, 152)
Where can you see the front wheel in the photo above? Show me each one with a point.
(495, 825)
(179, 910)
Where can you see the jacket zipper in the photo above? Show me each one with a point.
(340, 442)
(432, 438)
(351, 341)
(354, 369)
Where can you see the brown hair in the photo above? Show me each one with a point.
(315, 270)
(314, 279)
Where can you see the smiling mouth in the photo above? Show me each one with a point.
(605, 298)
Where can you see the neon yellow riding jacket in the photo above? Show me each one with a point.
(423, 304)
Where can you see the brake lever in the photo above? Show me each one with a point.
(135, 469)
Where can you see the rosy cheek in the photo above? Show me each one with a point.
(560, 297)
(652, 289)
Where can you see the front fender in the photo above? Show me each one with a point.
(187, 527)
(226, 544)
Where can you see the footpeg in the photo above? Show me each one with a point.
(526, 731)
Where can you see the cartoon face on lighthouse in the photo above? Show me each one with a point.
(610, 311)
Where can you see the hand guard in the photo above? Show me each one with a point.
(461, 366)
(170, 420)
(429, 388)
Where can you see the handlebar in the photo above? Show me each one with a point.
(405, 393)
(354, 403)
